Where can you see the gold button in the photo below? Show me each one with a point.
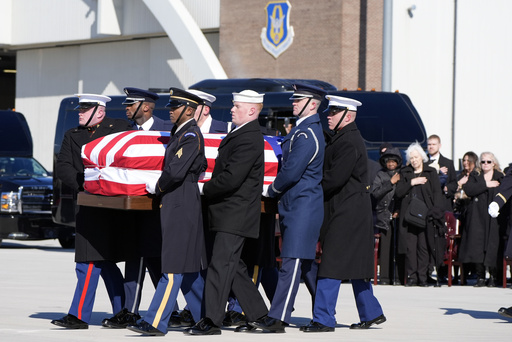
(160, 205)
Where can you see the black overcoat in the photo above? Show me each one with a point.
(346, 235)
(234, 191)
(481, 236)
(432, 196)
(99, 231)
(183, 247)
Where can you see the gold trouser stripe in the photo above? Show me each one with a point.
(165, 299)
(255, 274)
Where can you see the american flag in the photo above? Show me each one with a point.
(124, 163)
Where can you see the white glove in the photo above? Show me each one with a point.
(264, 193)
(200, 186)
(494, 209)
(151, 188)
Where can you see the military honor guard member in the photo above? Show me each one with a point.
(142, 226)
(140, 105)
(183, 249)
(203, 117)
(97, 242)
(346, 236)
(299, 190)
(234, 199)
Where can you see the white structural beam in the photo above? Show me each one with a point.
(185, 34)
(108, 22)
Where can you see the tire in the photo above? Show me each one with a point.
(67, 242)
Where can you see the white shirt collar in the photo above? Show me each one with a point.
(205, 127)
(183, 124)
(238, 127)
(147, 125)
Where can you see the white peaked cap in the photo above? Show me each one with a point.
(338, 101)
(249, 96)
(93, 98)
(208, 99)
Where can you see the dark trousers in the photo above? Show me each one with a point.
(266, 276)
(134, 274)
(88, 275)
(227, 272)
(386, 255)
(416, 258)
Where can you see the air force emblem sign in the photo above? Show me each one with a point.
(278, 35)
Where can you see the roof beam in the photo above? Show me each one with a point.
(185, 34)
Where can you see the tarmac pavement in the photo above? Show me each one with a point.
(37, 281)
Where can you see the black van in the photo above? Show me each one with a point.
(26, 187)
(383, 117)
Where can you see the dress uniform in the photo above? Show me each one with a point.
(203, 117)
(234, 199)
(346, 236)
(257, 254)
(142, 226)
(183, 250)
(98, 242)
(298, 188)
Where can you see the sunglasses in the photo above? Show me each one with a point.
(486, 162)
(333, 110)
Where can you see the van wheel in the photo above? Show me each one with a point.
(67, 242)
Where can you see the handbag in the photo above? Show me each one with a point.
(416, 213)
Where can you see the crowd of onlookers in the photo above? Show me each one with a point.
(412, 200)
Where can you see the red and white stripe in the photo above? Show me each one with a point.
(124, 163)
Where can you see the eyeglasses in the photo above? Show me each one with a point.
(486, 162)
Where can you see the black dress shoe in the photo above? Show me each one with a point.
(480, 282)
(491, 282)
(316, 327)
(367, 324)
(269, 324)
(245, 328)
(411, 282)
(204, 327)
(505, 312)
(174, 320)
(70, 322)
(187, 320)
(423, 284)
(234, 318)
(121, 320)
(145, 329)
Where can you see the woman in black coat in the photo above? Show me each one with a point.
(455, 190)
(481, 237)
(420, 181)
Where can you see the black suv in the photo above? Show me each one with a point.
(26, 187)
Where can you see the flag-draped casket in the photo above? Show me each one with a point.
(130, 163)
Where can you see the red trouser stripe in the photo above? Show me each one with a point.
(84, 292)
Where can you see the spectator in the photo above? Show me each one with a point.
(481, 237)
(445, 168)
(383, 192)
(419, 191)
